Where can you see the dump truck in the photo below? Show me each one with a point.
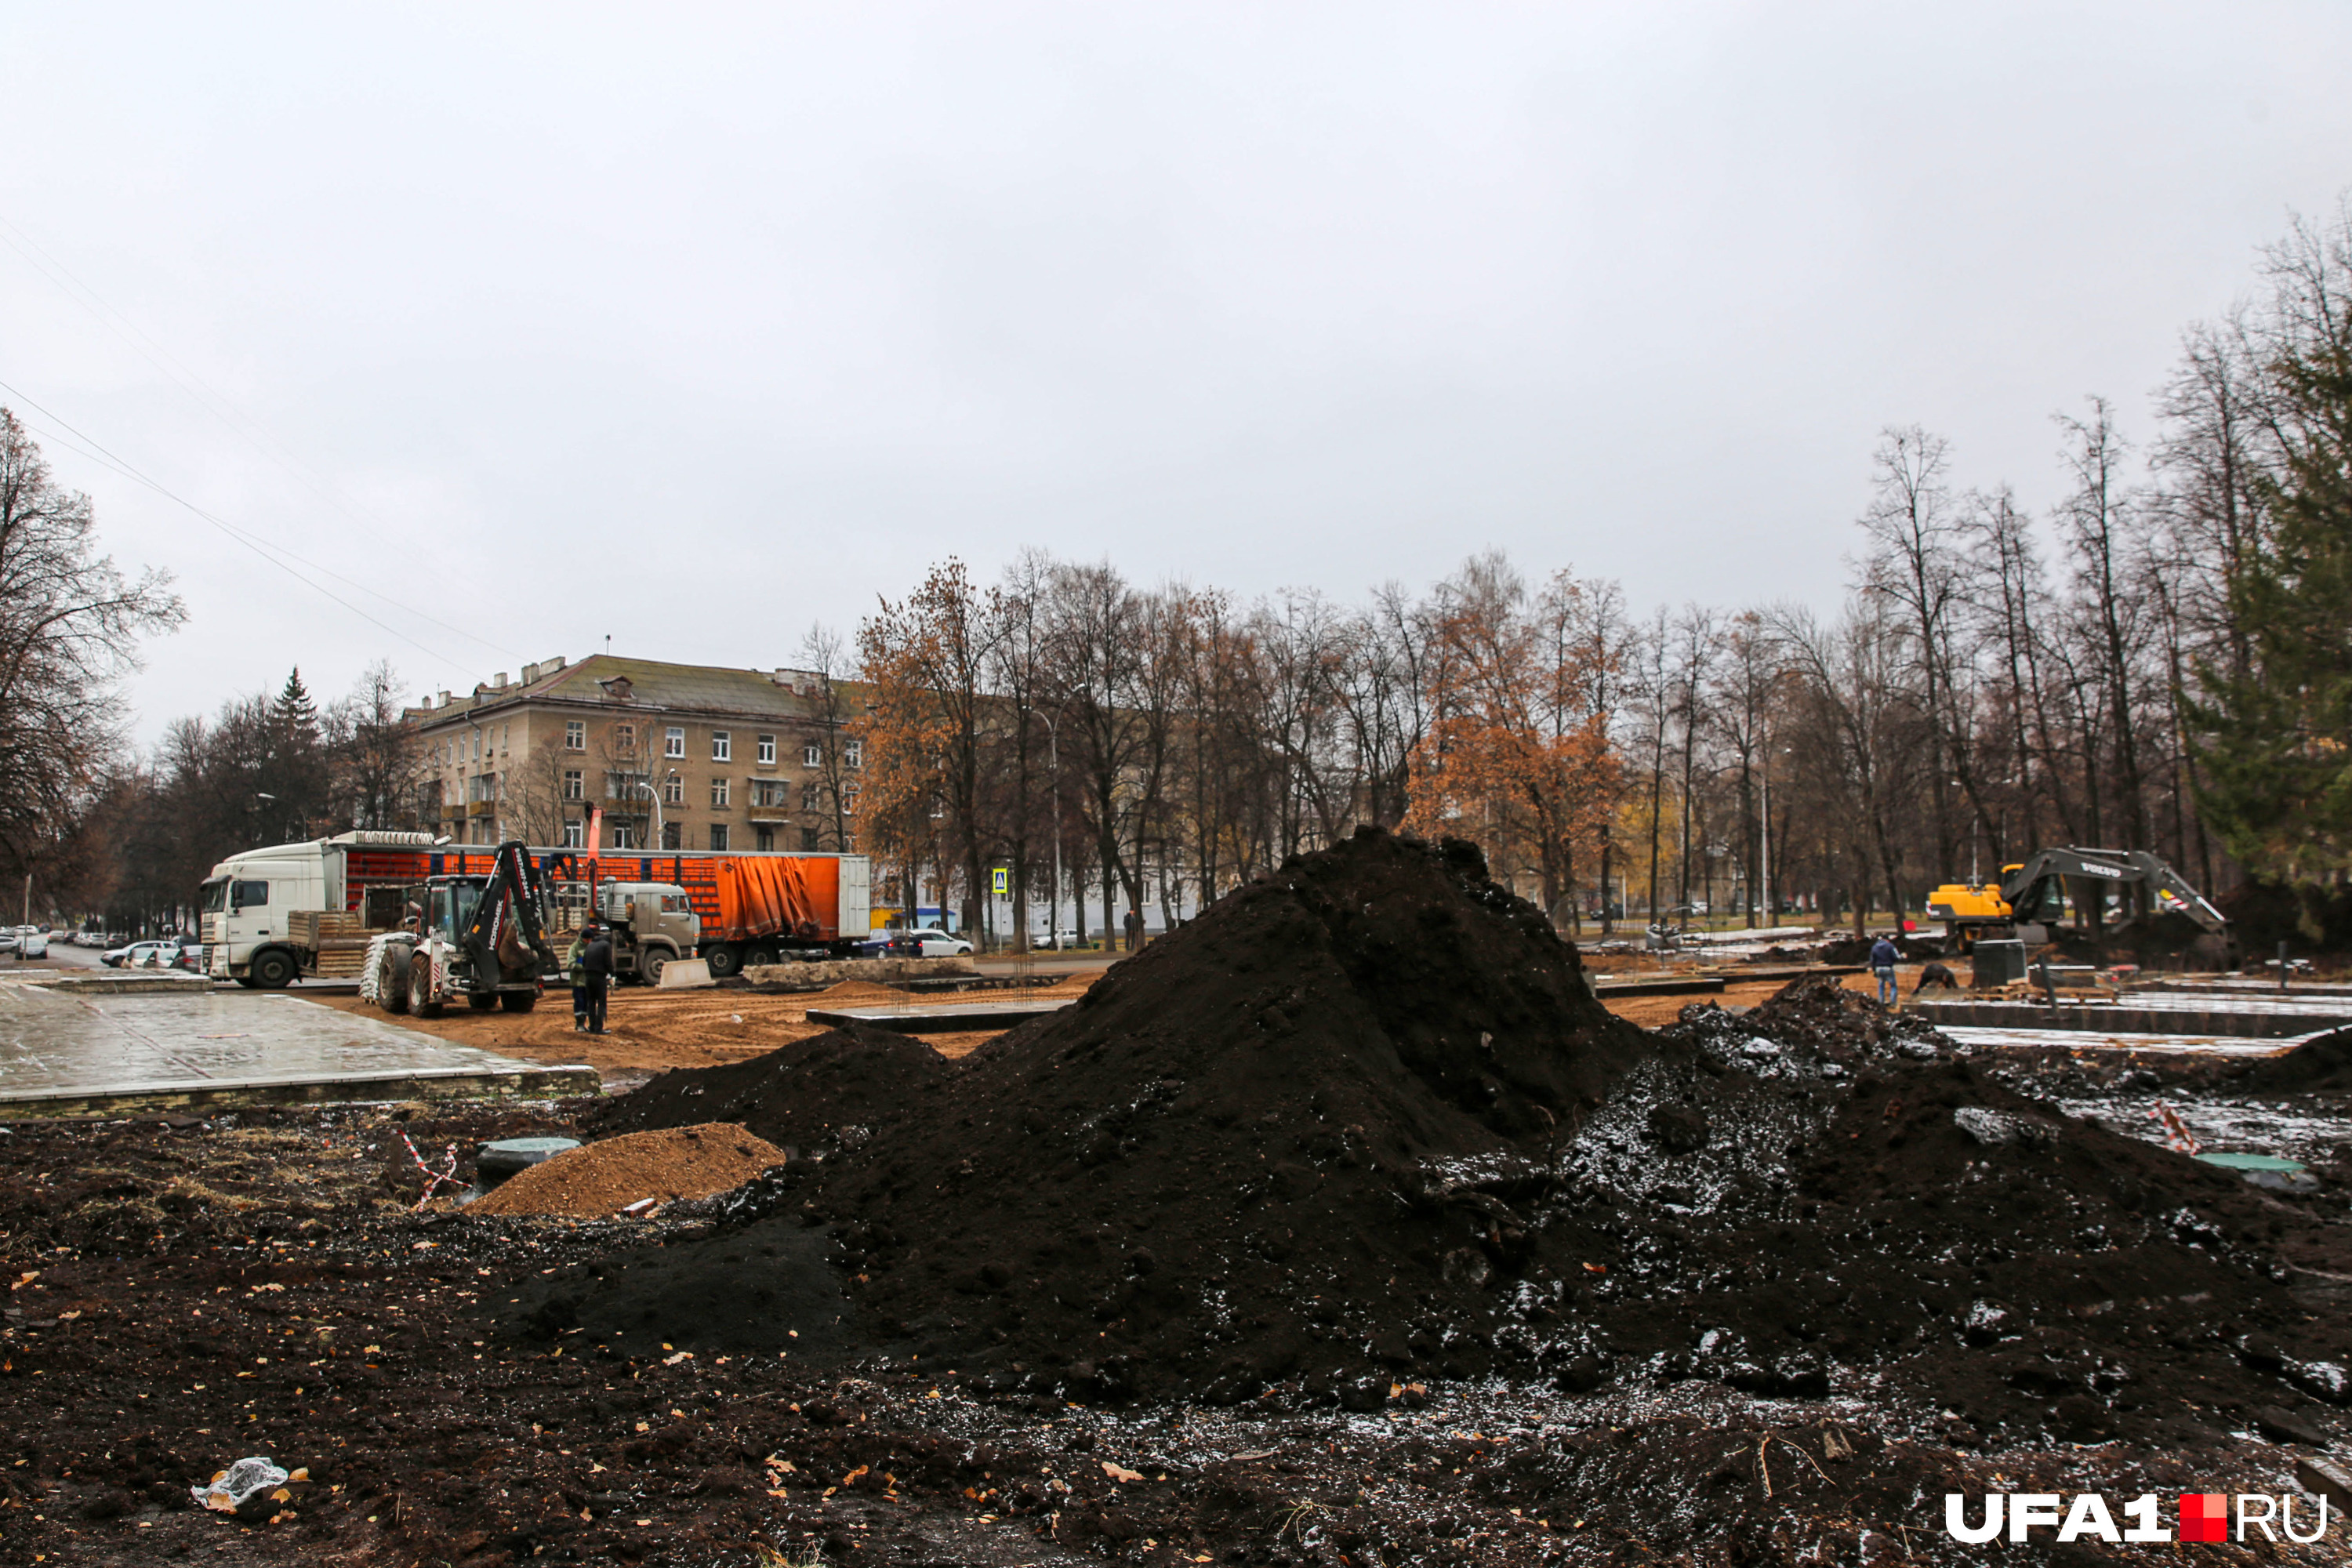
(2085, 890)
(313, 909)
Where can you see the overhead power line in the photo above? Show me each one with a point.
(89, 447)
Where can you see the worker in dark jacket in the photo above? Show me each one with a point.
(597, 968)
(1883, 957)
(575, 974)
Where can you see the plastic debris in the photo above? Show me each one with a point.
(240, 1484)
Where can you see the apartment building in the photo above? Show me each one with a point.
(676, 756)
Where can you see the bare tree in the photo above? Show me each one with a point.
(69, 628)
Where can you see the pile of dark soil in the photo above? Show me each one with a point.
(1361, 1124)
(1253, 1153)
(2322, 1064)
(1841, 1023)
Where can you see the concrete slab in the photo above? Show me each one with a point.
(2065, 1039)
(1661, 985)
(64, 1054)
(2246, 1019)
(955, 1020)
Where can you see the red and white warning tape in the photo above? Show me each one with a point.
(2176, 1131)
(447, 1176)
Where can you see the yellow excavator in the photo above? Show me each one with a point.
(2088, 890)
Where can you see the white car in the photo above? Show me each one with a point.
(32, 942)
(926, 943)
(161, 954)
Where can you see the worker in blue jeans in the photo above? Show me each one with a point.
(1883, 957)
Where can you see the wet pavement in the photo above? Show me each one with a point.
(63, 1051)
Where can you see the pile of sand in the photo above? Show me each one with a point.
(600, 1179)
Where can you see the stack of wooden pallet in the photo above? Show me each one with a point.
(340, 939)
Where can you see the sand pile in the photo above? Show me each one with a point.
(602, 1178)
(1362, 1122)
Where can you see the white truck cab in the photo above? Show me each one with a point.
(251, 900)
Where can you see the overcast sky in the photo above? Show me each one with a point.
(691, 327)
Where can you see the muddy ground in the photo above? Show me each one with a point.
(189, 1294)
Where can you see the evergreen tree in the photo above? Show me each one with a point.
(2277, 750)
(296, 716)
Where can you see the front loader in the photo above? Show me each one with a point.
(479, 937)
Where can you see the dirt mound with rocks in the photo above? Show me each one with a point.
(2322, 1064)
(1363, 1123)
(602, 1178)
(1818, 1013)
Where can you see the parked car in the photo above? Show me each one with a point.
(32, 942)
(926, 943)
(1066, 937)
(161, 953)
(8, 940)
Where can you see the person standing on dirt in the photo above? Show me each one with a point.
(1883, 958)
(596, 967)
(1134, 923)
(575, 970)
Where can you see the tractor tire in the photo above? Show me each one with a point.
(518, 1001)
(482, 1003)
(420, 990)
(725, 959)
(392, 992)
(273, 969)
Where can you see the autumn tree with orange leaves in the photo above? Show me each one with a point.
(926, 660)
(1519, 755)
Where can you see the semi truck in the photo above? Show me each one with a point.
(273, 915)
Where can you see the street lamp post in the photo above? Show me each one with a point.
(1054, 895)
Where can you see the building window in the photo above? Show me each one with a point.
(767, 750)
(767, 838)
(719, 792)
(808, 797)
(576, 785)
(769, 793)
(853, 753)
(622, 837)
(575, 835)
(722, 746)
(625, 741)
(719, 836)
(673, 792)
(673, 836)
(673, 742)
(575, 735)
(849, 800)
(808, 839)
(811, 755)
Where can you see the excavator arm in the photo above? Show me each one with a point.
(503, 935)
(2165, 888)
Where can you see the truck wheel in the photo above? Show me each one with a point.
(480, 1003)
(759, 955)
(420, 989)
(652, 964)
(725, 959)
(272, 968)
(518, 1001)
(392, 990)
